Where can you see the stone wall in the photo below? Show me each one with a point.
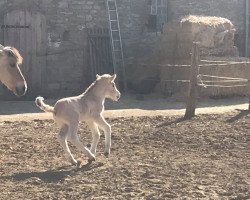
(66, 44)
(66, 21)
(67, 66)
(138, 40)
(234, 10)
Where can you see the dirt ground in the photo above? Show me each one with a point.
(154, 156)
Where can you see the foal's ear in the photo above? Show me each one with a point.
(97, 76)
(113, 77)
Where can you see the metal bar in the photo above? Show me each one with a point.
(225, 81)
(222, 86)
(247, 28)
(221, 77)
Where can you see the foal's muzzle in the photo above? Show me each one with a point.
(20, 90)
(118, 96)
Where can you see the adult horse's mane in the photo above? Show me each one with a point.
(13, 52)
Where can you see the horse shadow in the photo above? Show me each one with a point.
(239, 115)
(54, 175)
(175, 121)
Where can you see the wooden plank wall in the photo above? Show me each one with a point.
(100, 55)
(29, 37)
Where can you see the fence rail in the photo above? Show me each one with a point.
(196, 79)
(212, 64)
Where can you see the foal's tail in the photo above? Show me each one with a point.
(45, 107)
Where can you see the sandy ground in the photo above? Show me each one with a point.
(155, 155)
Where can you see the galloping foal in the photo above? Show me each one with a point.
(10, 73)
(89, 106)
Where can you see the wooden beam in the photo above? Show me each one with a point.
(192, 92)
(249, 103)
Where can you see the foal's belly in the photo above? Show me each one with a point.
(90, 114)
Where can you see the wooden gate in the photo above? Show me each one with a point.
(26, 31)
(100, 54)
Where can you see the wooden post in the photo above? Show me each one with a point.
(249, 104)
(248, 93)
(192, 92)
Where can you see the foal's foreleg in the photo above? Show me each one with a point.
(95, 136)
(107, 131)
(62, 138)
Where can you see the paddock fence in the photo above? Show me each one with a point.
(207, 80)
(218, 78)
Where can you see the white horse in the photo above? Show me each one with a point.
(89, 106)
(10, 73)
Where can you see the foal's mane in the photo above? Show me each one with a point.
(90, 87)
(95, 82)
(13, 52)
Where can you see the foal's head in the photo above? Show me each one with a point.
(10, 73)
(108, 87)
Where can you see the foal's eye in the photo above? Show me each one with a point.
(12, 65)
(113, 85)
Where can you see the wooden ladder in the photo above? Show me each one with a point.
(116, 44)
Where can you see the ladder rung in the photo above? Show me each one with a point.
(113, 20)
(115, 29)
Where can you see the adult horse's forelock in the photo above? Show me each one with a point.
(14, 53)
(10, 73)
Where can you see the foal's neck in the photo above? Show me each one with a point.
(95, 91)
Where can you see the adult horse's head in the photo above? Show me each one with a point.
(10, 73)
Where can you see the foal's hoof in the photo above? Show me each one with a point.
(90, 160)
(79, 163)
(106, 154)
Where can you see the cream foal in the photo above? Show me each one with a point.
(88, 107)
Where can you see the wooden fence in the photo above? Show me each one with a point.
(197, 79)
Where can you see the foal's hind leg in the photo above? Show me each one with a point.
(107, 131)
(62, 138)
(73, 127)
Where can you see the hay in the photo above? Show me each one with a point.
(206, 20)
(215, 35)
